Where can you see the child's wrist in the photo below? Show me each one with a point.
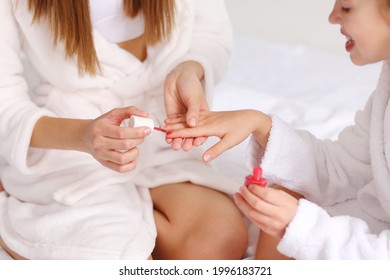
(262, 128)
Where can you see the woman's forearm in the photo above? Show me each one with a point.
(60, 133)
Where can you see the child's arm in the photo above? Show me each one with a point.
(232, 127)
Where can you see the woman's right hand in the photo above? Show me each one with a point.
(114, 146)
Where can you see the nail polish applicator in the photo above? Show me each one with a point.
(255, 178)
(135, 121)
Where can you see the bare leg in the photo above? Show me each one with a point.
(266, 248)
(9, 251)
(195, 222)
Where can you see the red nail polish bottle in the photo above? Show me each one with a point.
(255, 178)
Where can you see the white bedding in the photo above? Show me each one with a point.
(311, 90)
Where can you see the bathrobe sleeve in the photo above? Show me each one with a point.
(313, 234)
(211, 41)
(18, 114)
(324, 171)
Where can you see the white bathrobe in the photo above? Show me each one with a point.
(349, 177)
(64, 204)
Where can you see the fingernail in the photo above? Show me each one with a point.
(193, 122)
(147, 131)
(206, 157)
(241, 189)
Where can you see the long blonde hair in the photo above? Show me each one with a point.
(70, 23)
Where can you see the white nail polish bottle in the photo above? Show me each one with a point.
(135, 121)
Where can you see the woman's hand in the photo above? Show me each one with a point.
(113, 146)
(184, 96)
(232, 127)
(271, 209)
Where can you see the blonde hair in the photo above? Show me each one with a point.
(70, 23)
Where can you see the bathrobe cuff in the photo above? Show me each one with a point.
(287, 160)
(303, 238)
(16, 148)
(314, 234)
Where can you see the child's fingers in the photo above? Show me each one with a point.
(218, 149)
(267, 194)
(242, 204)
(273, 196)
(177, 143)
(257, 202)
(193, 132)
(175, 127)
(187, 145)
(175, 116)
(199, 141)
(253, 214)
(175, 119)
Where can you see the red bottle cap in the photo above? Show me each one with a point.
(255, 178)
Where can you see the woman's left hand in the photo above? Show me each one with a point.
(184, 95)
(270, 209)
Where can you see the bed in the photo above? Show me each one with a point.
(310, 89)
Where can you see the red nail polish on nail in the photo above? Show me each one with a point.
(255, 178)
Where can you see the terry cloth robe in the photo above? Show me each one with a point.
(349, 178)
(64, 204)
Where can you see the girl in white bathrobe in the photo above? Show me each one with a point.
(77, 184)
(345, 212)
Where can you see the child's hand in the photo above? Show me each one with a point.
(232, 127)
(269, 208)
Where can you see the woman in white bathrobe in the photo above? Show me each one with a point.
(346, 183)
(77, 184)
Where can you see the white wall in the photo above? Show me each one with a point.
(288, 21)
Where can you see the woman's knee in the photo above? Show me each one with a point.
(212, 238)
(203, 224)
(228, 237)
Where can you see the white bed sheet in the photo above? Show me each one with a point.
(309, 89)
